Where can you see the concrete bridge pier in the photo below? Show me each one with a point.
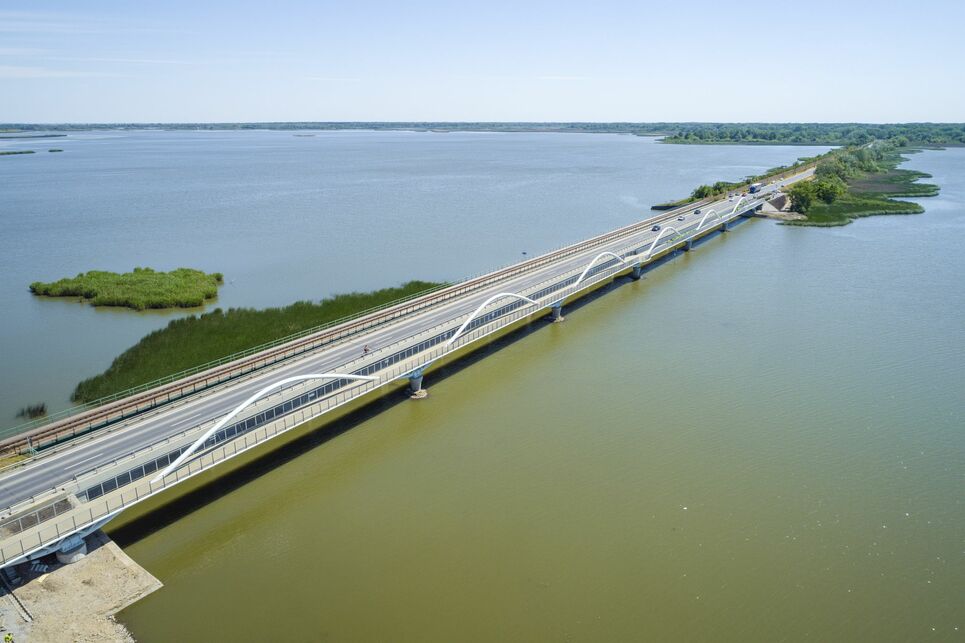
(688, 245)
(637, 272)
(72, 549)
(416, 392)
(725, 227)
(556, 312)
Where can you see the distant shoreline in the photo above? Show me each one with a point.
(687, 133)
(14, 136)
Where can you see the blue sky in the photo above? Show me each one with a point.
(111, 61)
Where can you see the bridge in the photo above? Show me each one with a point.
(84, 470)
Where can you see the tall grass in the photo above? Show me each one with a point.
(32, 411)
(140, 289)
(853, 206)
(198, 339)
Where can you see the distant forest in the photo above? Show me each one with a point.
(820, 133)
(930, 134)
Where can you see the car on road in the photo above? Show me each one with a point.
(655, 228)
(697, 211)
(680, 218)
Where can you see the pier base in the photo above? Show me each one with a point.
(688, 245)
(416, 392)
(637, 272)
(556, 313)
(71, 550)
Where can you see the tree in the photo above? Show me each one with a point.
(828, 189)
(702, 192)
(802, 196)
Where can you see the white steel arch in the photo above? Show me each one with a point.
(238, 409)
(596, 258)
(659, 237)
(483, 305)
(737, 205)
(708, 213)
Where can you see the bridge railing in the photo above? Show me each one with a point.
(22, 430)
(80, 408)
(106, 506)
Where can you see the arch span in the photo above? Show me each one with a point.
(659, 237)
(238, 409)
(707, 214)
(597, 258)
(483, 305)
(737, 205)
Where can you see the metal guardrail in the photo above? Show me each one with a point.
(29, 439)
(64, 413)
(109, 505)
(107, 416)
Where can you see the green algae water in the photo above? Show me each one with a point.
(762, 440)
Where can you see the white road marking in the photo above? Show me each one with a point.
(90, 458)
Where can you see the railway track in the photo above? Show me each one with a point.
(107, 414)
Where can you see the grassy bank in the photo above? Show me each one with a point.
(143, 288)
(198, 339)
(853, 206)
(859, 183)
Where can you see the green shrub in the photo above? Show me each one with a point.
(143, 288)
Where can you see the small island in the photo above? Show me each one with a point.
(141, 289)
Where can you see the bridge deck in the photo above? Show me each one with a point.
(77, 486)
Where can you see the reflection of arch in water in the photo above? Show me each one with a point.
(659, 237)
(483, 305)
(238, 409)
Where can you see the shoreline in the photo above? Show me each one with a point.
(46, 600)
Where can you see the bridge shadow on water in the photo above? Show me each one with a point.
(209, 492)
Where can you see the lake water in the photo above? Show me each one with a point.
(760, 441)
(289, 217)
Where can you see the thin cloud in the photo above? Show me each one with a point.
(126, 61)
(564, 78)
(333, 79)
(36, 22)
(42, 22)
(18, 72)
(19, 51)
